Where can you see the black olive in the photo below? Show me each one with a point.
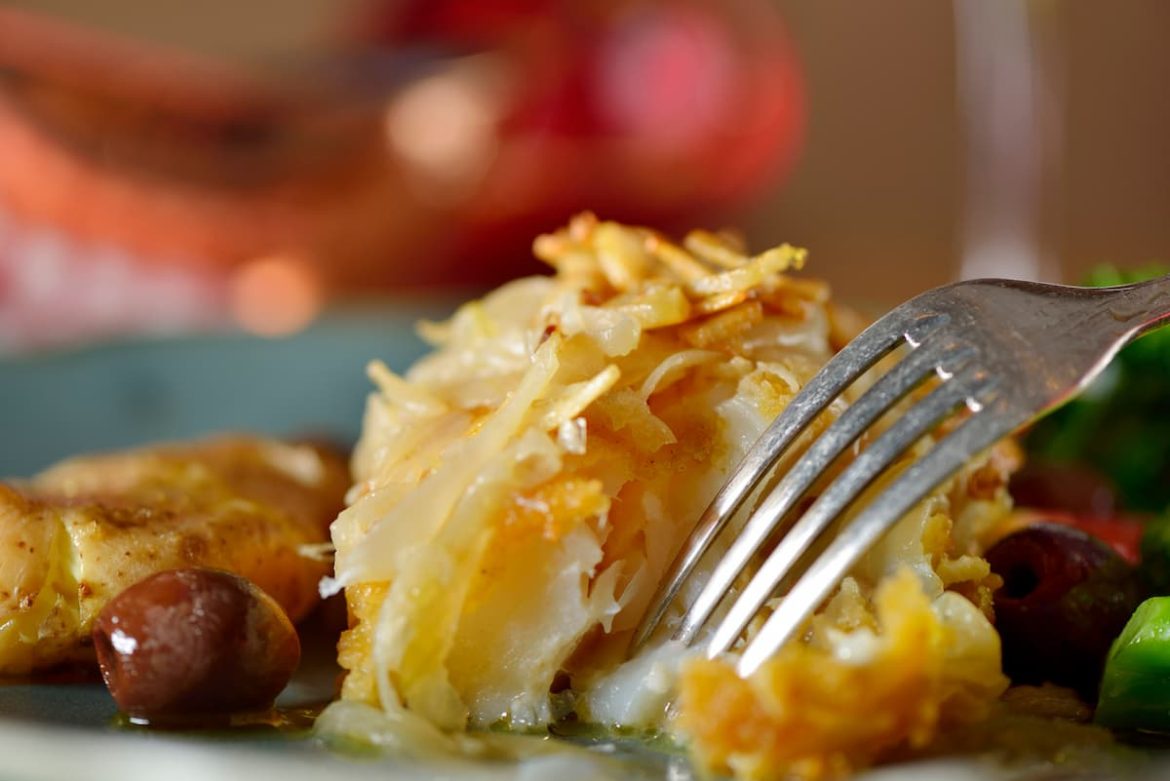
(1065, 597)
(186, 644)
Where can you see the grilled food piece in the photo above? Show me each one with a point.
(77, 534)
(521, 491)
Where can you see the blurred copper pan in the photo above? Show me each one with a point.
(193, 141)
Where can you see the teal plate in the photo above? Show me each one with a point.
(54, 405)
(115, 395)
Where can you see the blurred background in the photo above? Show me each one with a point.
(169, 168)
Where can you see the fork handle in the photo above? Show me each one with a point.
(1140, 307)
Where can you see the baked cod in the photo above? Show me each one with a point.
(77, 534)
(521, 491)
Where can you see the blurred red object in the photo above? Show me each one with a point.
(657, 112)
(660, 112)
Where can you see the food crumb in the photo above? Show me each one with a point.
(1048, 701)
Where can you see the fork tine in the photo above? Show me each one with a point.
(974, 435)
(918, 420)
(870, 346)
(903, 377)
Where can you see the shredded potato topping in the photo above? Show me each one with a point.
(520, 492)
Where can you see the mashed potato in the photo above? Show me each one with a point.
(521, 491)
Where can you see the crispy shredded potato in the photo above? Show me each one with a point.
(520, 492)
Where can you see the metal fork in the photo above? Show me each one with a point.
(1007, 351)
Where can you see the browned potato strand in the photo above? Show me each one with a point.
(74, 536)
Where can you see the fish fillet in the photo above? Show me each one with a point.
(75, 535)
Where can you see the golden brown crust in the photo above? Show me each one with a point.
(815, 716)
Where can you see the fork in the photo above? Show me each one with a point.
(1007, 351)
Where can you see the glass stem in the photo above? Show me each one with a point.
(1005, 91)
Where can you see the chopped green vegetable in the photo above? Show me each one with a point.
(1121, 423)
(1135, 690)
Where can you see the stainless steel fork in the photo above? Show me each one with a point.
(1007, 351)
